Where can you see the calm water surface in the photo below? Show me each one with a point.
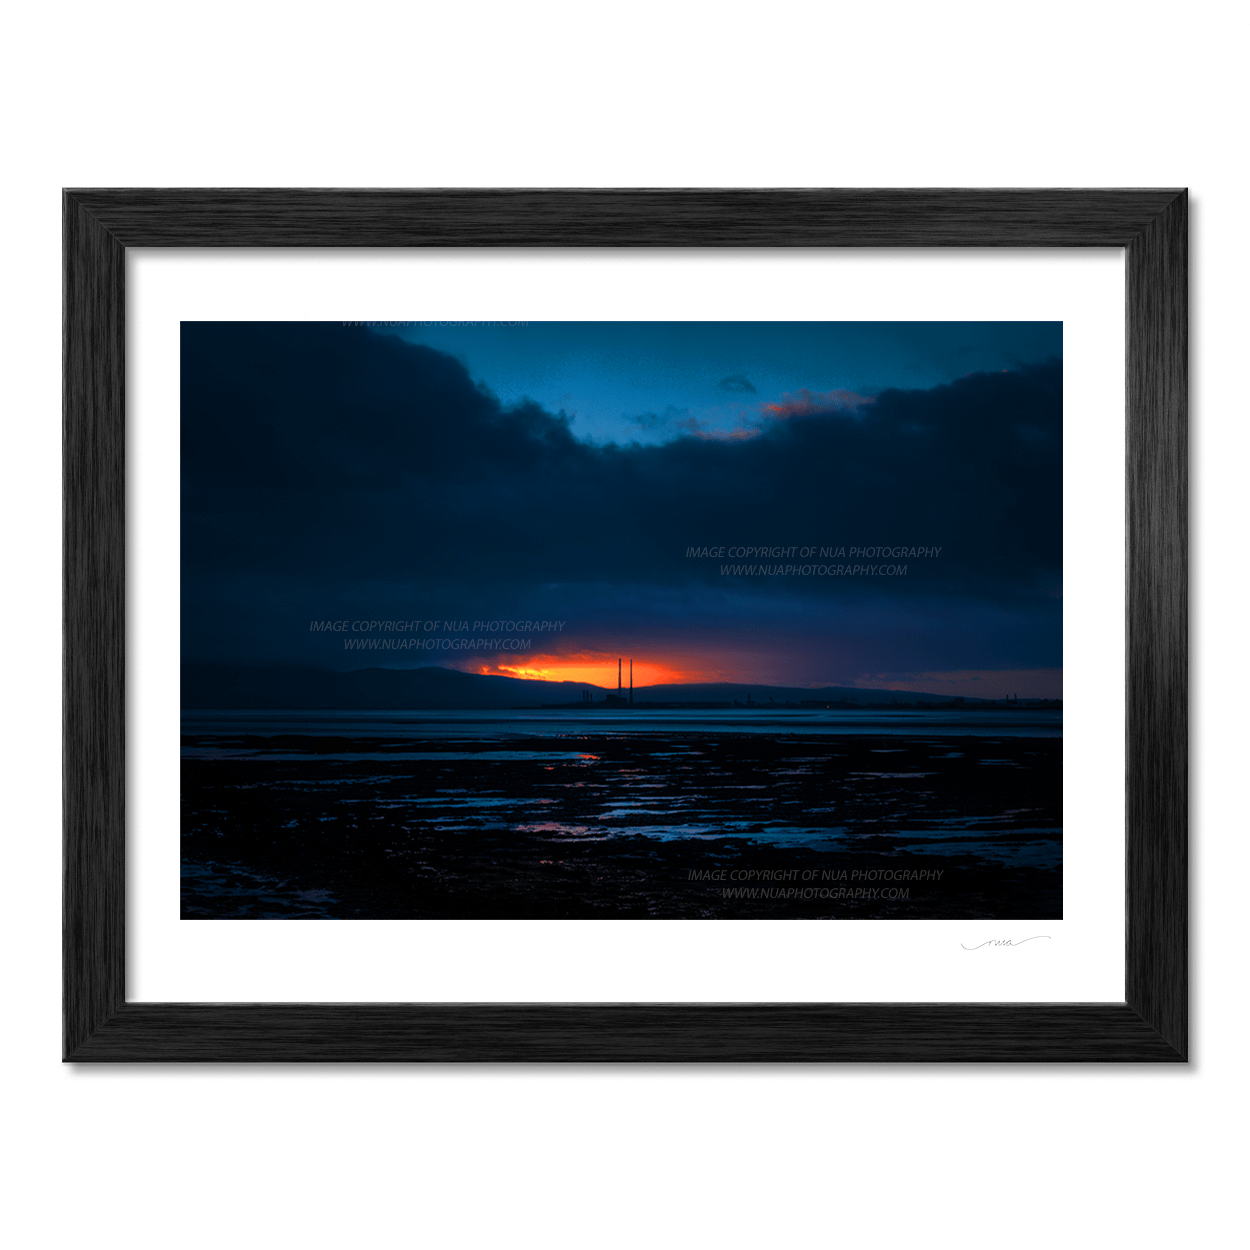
(946, 722)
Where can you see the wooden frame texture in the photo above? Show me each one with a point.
(100, 1025)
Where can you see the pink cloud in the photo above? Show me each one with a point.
(805, 403)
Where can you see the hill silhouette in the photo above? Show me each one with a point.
(296, 686)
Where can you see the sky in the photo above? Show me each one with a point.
(802, 504)
(650, 381)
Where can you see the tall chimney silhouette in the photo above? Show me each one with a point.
(631, 681)
(618, 678)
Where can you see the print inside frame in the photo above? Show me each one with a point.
(801, 729)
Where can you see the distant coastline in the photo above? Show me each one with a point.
(210, 686)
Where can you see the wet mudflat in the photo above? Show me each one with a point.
(629, 825)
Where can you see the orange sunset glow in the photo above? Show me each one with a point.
(597, 668)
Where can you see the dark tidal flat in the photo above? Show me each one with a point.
(622, 825)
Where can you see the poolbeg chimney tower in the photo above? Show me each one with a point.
(618, 677)
(631, 682)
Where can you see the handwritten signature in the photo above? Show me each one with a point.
(1005, 942)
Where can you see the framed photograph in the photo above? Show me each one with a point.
(578, 596)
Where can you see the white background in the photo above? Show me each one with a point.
(656, 94)
(1082, 956)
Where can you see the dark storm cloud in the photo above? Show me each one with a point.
(736, 385)
(339, 458)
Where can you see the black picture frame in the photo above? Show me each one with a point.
(1150, 1025)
